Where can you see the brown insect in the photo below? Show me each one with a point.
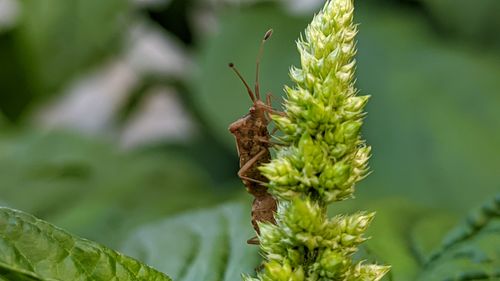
(253, 142)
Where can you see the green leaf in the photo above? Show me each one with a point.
(208, 245)
(31, 249)
(471, 251)
(53, 42)
(428, 231)
(95, 190)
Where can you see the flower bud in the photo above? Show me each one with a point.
(348, 131)
(332, 264)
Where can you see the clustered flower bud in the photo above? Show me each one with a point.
(324, 159)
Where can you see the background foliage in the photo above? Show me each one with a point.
(432, 69)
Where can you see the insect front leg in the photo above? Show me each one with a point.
(269, 108)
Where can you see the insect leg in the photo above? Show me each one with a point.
(269, 108)
(268, 99)
(249, 164)
(274, 111)
(252, 180)
(253, 241)
(270, 142)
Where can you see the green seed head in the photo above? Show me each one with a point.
(323, 161)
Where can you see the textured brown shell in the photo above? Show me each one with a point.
(252, 137)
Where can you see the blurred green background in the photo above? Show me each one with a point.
(114, 114)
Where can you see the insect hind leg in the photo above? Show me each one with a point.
(249, 164)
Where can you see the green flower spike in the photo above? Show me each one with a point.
(324, 159)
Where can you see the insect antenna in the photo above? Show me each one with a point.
(259, 57)
(250, 93)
